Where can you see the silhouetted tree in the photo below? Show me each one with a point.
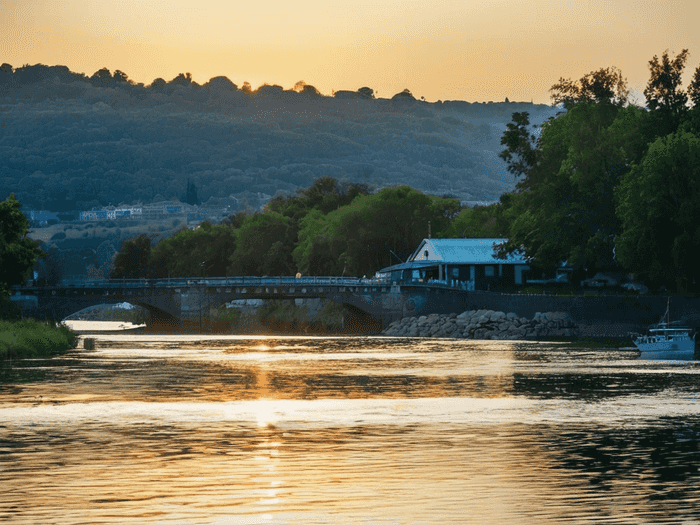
(366, 92)
(133, 261)
(191, 194)
(183, 79)
(664, 94)
(603, 85)
(404, 95)
(18, 253)
(521, 151)
(158, 84)
(694, 89)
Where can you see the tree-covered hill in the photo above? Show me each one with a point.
(72, 142)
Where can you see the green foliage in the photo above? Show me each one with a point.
(28, 338)
(189, 253)
(134, 259)
(520, 152)
(18, 253)
(694, 88)
(663, 92)
(326, 194)
(659, 205)
(357, 239)
(9, 310)
(226, 319)
(264, 246)
(564, 208)
(480, 222)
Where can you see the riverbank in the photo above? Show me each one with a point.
(31, 339)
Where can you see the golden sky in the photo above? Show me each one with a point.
(474, 50)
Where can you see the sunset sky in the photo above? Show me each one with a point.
(476, 50)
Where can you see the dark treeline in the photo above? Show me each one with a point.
(331, 228)
(607, 185)
(602, 186)
(75, 142)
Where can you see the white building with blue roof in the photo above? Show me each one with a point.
(466, 263)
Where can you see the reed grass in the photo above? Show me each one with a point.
(30, 339)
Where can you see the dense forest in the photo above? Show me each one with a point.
(603, 185)
(72, 142)
(607, 184)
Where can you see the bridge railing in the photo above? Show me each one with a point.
(216, 281)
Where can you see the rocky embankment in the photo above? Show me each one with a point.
(485, 324)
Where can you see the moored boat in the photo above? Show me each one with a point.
(666, 340)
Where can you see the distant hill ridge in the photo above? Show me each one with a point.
(72, 142)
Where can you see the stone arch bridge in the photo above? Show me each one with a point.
(190, 300)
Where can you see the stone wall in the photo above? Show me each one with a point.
(485, 324)
(595, 316)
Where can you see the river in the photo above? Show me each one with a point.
(361, 430)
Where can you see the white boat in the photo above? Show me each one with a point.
(666, 340)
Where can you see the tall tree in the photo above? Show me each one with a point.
(521, 151)
(18, 253)
(563, 208)
(134, 259)
(694, 89)
(664, 94)
(659, 205)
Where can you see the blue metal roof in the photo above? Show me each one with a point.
(408, 266)
(462, 251)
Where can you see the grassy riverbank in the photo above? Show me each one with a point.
(30, 339)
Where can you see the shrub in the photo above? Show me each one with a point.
(29, 338)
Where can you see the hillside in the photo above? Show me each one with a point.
(70, 142)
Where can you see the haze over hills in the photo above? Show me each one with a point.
(71, 142)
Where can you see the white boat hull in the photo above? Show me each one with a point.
(671, 355)
(683, 349)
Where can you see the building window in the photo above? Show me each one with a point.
(488, 271)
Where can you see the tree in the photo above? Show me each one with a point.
(659, 206)
(264, 245)
(563, 208)
(606, 85)
(366, 92)
(521, 152)
(204, 251)
(18, 253)
(404, 95)
(663, 92)
(694, 89)
(357, 239)
(183, 79)
(121, 77)
(134, 259)
(191, 196)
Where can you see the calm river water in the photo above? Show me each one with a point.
(282, 430)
